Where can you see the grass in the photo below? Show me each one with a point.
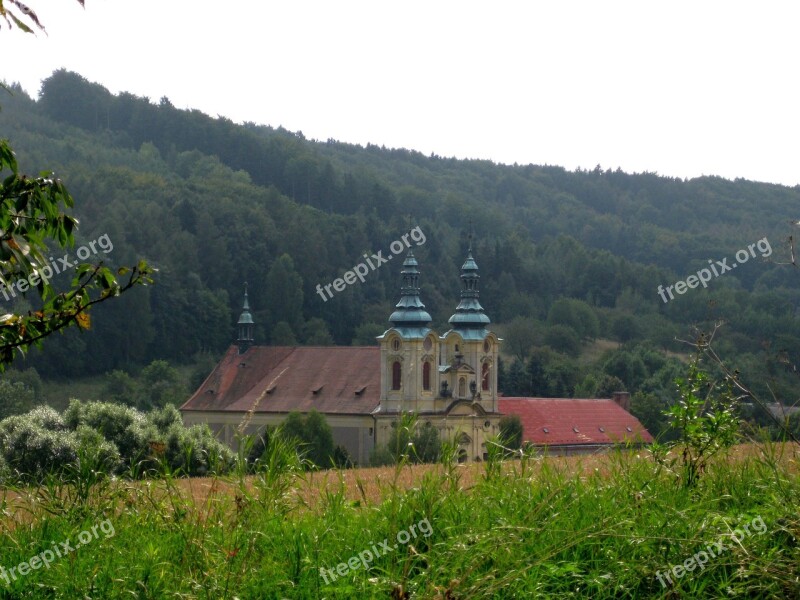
(579, 527)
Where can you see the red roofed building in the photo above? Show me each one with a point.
(570, 425)
(448, 380)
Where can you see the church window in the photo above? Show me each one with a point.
(396, 375)
(395, 344)
(486, 346)
(485, 377)
(462, 388)
(427, 344)
(426, 375)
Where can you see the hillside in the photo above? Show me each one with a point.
(566, 258)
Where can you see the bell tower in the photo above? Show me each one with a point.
(469, 349)
(409, 350)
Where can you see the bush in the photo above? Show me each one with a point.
(102, 454)
(126, 427)
(195, 451)
(32, 451)
(164, 418)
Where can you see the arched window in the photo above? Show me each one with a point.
(462, 388)
(426, 376)
(485, 377)
(396, 375)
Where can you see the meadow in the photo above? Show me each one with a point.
(595, 526)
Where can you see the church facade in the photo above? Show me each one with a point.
(448, 380)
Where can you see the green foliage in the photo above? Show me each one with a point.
(650, 411)
(212, 202)
(36, 444)
(312, 432)
(705, 419)
(112, 439)
(562, 339)
(120, 388)
(160, 385)
(409, 443)
(194, 451)
(282, 335)
(366, 333)
(575, 314)
(15, 398)
(607, 385)
(624, 327)
(125, 427)
(627, 367)
(511, 431)
(30, 216)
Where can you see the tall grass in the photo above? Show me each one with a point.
(526, 528)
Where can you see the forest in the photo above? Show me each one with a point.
(570, 262)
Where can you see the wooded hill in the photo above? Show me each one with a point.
(565, 257)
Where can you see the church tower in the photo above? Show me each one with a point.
(409, 350)
(245, 339)
(469, 350)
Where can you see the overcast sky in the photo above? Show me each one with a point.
(679, 88)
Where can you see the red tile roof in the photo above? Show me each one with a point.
(294, 374)
(562, 416)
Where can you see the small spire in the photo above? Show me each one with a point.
(245, 323)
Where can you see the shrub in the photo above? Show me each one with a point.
(195, 451)
(126, 427)
(164, 418)
(33, 451)
(101, 453)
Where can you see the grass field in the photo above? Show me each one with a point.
(601, 526)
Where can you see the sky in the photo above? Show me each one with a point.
(679, 88)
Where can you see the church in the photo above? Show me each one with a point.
(447, 380)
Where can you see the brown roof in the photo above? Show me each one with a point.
(561, 417)
(330, 379)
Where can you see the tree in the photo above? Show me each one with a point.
(511, 431)
(15, 398)
(161, 385)
(30, 215)
(313, 433)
